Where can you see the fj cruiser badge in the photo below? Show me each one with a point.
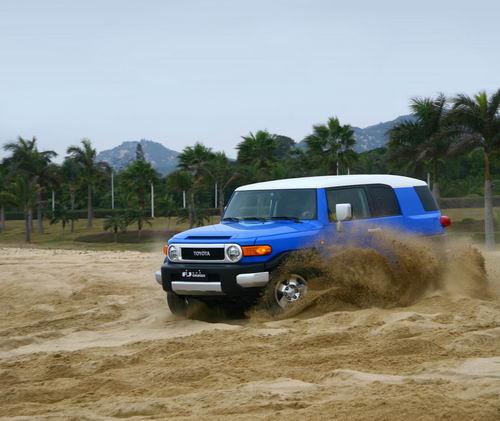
(193, 274)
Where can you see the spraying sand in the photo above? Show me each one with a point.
(87, 335)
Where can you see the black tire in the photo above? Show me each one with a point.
(177, 304)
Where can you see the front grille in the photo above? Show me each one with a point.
(202, 253)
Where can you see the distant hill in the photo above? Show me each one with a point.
(375, 136)
(371, 137)
(162, 159)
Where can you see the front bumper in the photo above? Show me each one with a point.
(234, 280)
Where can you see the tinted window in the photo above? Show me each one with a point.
(383, 200)
(356, 196)
(426, 198)
(267, 204)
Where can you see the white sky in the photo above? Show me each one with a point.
(184, 71)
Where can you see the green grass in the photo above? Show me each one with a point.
(458, 214)
(468, 223)
(471, 228)
(54, 237)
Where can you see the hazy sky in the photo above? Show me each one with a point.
(211, 71)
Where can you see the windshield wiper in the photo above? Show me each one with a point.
(288, 218)
(232, 219)
(255, 218)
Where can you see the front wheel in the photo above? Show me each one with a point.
(178, 305)
(284, 292)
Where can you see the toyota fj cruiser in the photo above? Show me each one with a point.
(263, 223)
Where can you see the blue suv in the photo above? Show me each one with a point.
(263, 223)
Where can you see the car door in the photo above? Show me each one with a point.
(384, 208)
(352, 232)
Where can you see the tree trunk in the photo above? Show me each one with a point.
(31, 221)
(435, 184)
(333, 168)
(221, 201)
(72, 204)
(26, 227)
(489, 229)
(191, 210)
(435, 191)
(2, 219)
(115, 231)
(139, 221)
(90, 210)
(39, 211)
(28, 220)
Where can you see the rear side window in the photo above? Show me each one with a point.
(426, 198)
(383, 201)
(356, 196)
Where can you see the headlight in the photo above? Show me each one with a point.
(234, 253)
(173, 253)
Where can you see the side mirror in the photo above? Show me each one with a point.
(343, 212)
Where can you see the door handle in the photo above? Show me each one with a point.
(378, 229)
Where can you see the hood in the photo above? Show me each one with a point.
(244, 230)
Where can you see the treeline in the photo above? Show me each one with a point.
(453, 141)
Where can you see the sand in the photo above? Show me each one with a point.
(88, 336)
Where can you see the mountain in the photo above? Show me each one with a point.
(162, 159)
(371, 137)
(375, 136)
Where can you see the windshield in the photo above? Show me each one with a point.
(272, 204)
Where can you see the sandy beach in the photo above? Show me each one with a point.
(88, 336)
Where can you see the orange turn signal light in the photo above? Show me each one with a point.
(165, 249)
(256, 250)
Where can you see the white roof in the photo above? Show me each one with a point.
(334, 181)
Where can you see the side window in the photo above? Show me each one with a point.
(426, 198)
(384, 201)
(356, 196)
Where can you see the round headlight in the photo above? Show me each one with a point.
(233, 253)
(173, 253)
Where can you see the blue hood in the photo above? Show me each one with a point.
(244, 230)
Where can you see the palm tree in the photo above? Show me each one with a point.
(69, 177)
(284, 146)
(194, 158)
(257, 149)
(168, 207)
(26, 159)
(90, 171)
(478, 120)
(63, 215)
(23, 191)
(223, 173)
(138, 177)
(115, 222)
(332, 144)
(192, 164)
(183, 181)
(139, 216)
(45, 177)
(5, 196)
(424, 139)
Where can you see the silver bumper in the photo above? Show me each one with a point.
(197, 288)
(158, 277)
(247, 280)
